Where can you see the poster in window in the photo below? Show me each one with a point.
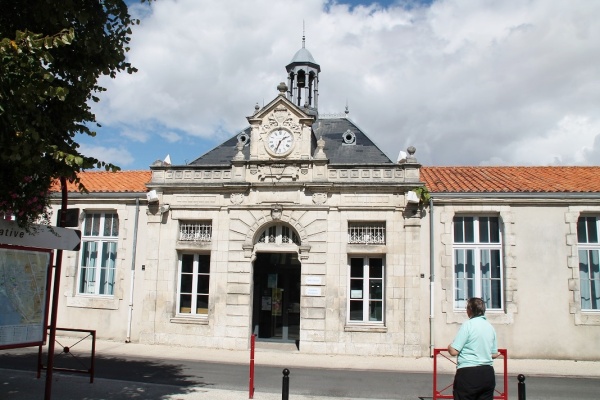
(356, 294)
(276, 306)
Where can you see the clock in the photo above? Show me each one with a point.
(280, 141)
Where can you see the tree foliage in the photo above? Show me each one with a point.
(52, 54)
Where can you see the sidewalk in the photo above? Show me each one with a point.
(266, 354)
(272, 354)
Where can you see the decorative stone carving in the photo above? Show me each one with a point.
(319, 198)
(279, 172)
(276, 211)
(319, 152)
(237, 198)
(239, 156)
(303, 252)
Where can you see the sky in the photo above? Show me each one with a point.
(487, 82)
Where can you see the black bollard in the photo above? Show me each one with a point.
(521, 387)
(285, 387)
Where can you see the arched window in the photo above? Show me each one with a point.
(279, 234)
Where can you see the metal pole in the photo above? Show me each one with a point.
(435, 353)
(251, 383)
(132, 275)
(55, 293)
(285, 388)
(521, 387)
(431, 280)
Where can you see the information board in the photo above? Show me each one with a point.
(24, 282)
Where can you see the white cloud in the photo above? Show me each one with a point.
(114, 155)
(170, 136)
(465, 82)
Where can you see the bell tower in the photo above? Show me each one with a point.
(303, 80)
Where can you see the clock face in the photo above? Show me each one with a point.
(280, 141)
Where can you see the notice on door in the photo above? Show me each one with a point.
(266, 303)
(276, 306)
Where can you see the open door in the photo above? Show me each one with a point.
(276, 306)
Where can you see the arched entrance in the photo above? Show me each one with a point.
(276, 300)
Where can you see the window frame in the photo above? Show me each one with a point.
(366, 280)
(194, 293)
(107, 245)
(477, 247)
(589, 247)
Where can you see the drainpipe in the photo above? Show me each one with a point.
(135, 231)
(431, 280)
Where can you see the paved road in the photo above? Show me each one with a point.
(150, 378)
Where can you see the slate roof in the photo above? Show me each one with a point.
(222, 155)
(437, 179)
(303, 56)
(364, 151)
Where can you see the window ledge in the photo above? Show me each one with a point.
(588, 317)
(106, 303)
(356, 248)
(366, 328)
(189, 320)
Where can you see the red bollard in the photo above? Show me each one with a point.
(251, 383)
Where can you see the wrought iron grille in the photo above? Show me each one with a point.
(195, 231)
(279, 234)
(366, 233)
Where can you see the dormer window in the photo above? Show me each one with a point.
(349, 137)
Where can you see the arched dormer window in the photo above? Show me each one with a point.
(279, 234)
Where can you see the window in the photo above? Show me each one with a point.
(200, 231)
(589, 272)
(194, 279)
(280, 234)
(99, 254)
(366, 232)
(477, 261)
(366, 290)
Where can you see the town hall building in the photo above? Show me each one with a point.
(300, 230)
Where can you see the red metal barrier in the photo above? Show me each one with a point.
(68, 351)
(251, 383)
(439, 394)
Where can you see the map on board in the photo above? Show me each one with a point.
(23, 281)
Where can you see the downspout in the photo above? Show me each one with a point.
(431, 280)
(133, 256)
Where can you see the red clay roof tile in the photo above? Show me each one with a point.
(110, 182)
(437, 180)
(511, 179)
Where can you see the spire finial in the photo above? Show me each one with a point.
(303, 34)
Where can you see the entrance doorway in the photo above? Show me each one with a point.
(276, 305)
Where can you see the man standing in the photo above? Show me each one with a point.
(476, 347)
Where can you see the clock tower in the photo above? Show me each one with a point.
(281, 131)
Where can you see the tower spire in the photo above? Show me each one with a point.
(303, 77)
(303, 35)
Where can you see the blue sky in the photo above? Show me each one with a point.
(466, 82)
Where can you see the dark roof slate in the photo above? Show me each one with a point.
(362, 152)
(224, 153)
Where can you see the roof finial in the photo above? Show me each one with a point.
(303, 34)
